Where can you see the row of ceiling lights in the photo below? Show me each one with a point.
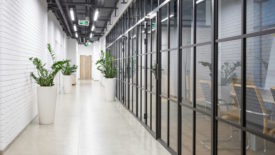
(96, 14)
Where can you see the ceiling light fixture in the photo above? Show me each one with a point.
(76, 35)
(72, 14)
(75, 28)
(91, 35)
(96, 15)
(93, 28)
(199, 1)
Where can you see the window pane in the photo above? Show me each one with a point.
(187, 76)
(260, 81)
(187, 22)
(203, 134)
(174, 74)
(204, 20)
(203, 79)
(164, 28)
(164, 119)
(257, 145)
(187, 131)
(229, 18)
(260, 15)
(173, 125)
(229, 139)
(229, 72)
(173, 24)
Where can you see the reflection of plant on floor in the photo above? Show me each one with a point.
(227, 72)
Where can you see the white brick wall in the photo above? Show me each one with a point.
(25, 29)
(22, 36)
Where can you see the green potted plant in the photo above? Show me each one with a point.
(46, 91)
(106, 67)
(67, 71)
(100, 63)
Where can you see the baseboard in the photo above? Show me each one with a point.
(3, 151)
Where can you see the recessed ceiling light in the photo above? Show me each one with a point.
(96, 15)
(75, 28)
(199, 1)
(76, 35)
(91, 35)
(72, 14)
(93, 28)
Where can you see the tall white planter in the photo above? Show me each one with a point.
(67, 83)
(46, 104)
(109, 86)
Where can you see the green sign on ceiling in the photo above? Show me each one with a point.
(83, 22)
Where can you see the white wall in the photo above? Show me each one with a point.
(71, 50)
(25, 29)
(57, 38)
(23, 33)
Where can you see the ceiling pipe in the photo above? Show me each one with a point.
(89, 4)
(63, 16)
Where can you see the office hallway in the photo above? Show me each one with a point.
(87, 125)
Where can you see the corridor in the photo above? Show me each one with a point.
(86, 125)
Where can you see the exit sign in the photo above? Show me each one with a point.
(83, 22)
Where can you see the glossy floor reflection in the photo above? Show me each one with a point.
(87, 125)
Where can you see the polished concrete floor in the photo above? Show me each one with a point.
(87, 125)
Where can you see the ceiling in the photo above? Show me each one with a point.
(83, 9)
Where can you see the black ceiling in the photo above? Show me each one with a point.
(83, 9)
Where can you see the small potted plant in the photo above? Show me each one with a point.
(67, 71)
(46, 91)
(100, 65)
(106, 67)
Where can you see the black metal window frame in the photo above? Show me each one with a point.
(129, 60)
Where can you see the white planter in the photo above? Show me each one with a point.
(102, 80)
(46, 104)
(109, 86)
(67, 83)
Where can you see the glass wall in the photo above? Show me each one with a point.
(199, 74)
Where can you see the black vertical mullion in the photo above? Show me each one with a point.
(128, 67)
(141, 115)
(119, 55)
(243, 82)
(137, 31)
(146, 66)
(214, 78)
(168, 70)
(132, 58)
(194, 74)
(158, 78)
(123, 71)
(151, 65)
(179, 109)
